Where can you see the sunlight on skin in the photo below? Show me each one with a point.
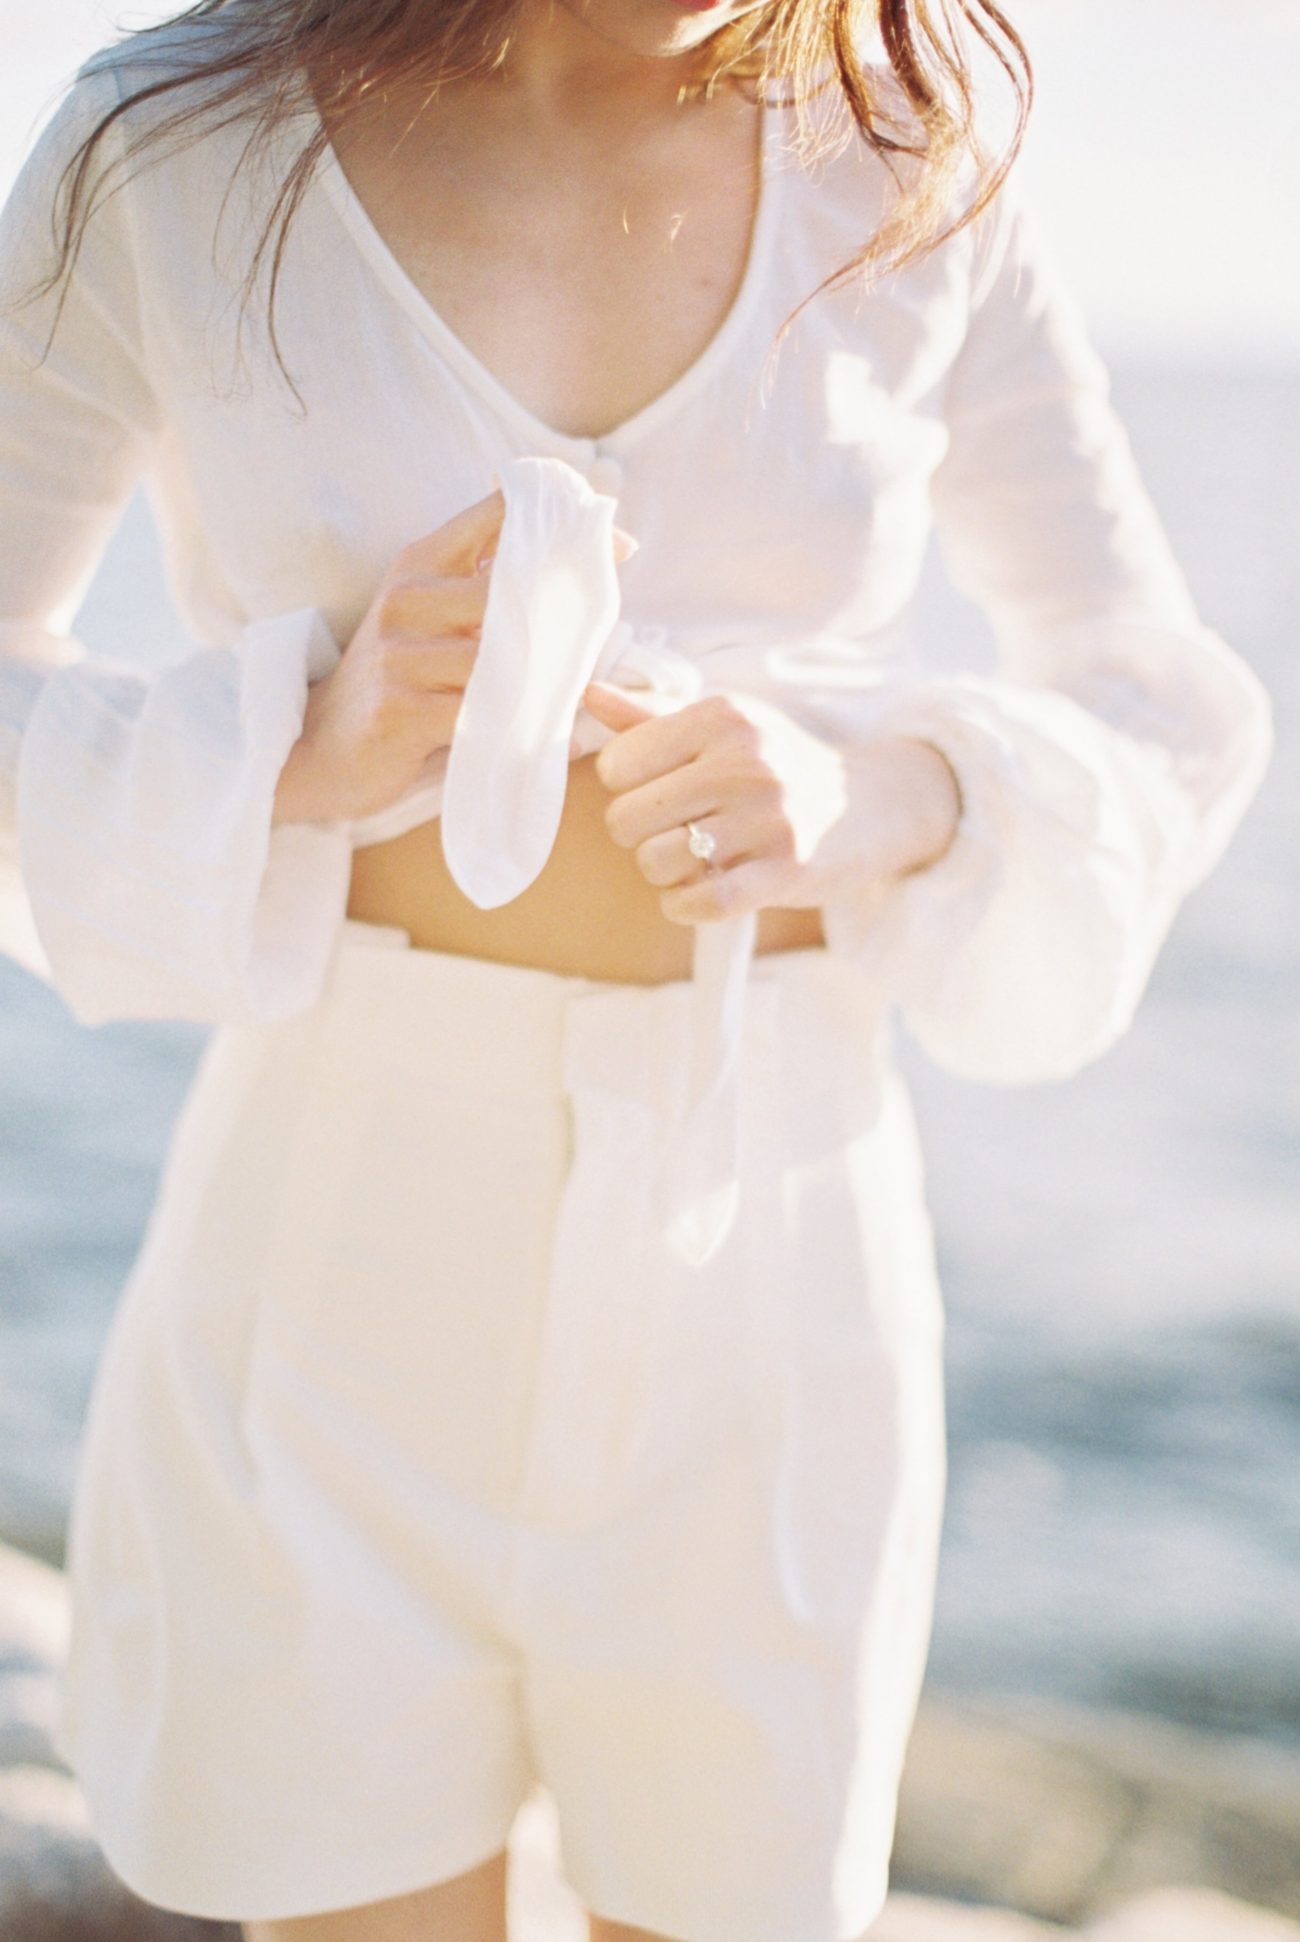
(654, 27)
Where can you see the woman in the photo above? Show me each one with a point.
(533, 1367)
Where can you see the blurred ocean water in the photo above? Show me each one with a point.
(1121, 1254)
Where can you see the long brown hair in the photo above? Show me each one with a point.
(267, 60)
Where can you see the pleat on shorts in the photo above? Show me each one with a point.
(418, 1473)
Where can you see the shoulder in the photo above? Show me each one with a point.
(163, 91)
(144, 151)
(172, 52)
(201, 142)
(124, 93)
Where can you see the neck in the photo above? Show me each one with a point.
(570, 60)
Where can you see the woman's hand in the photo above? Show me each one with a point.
(794, 817)
(393, 699)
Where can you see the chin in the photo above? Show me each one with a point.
(653, 27)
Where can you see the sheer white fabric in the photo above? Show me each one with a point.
(1107, 765)
(135, 812)
(1104, 766)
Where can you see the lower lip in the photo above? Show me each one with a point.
(699, 6)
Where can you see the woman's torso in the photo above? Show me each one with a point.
(587, 273)
(775, 497)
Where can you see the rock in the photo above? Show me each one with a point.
(1065, 1812)
(1167, 1915)
(922, 1918)
(1191, 1915)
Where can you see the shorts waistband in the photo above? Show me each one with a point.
(406, 1045)
(433, 1017)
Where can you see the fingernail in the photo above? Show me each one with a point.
(628, 544)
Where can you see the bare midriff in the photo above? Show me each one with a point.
(589, 914)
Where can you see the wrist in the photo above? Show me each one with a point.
(301, 796)
(308, 789)
(935, 804)
(904, 807)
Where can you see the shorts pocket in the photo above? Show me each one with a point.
(398, 1307)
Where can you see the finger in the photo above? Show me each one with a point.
(653, 736)
(667, 735)
(722, 893)
(667, 859)
(686, 795)
(431, 665)
(618, 708)
(624, 545)
(457, 546)
(419, 609)
(419, 721)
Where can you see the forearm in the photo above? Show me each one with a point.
(908, 789)
(899, 816)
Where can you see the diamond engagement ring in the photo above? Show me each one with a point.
(701, 842)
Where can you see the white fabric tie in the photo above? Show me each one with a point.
(551, 625)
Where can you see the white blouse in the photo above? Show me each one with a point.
(782, 504)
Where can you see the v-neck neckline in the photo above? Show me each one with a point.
(476, 374)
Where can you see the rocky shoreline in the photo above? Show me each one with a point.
(1018, 1822)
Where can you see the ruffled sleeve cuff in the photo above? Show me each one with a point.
(158, 886)
(1089, 811)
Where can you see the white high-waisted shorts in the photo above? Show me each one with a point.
(418, 1473)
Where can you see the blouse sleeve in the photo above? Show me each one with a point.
(1107, 761)
(135, 811)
